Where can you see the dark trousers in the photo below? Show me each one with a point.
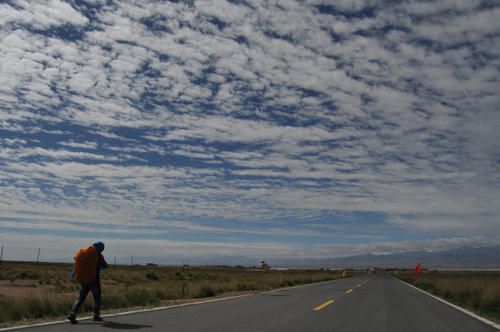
(95, 288)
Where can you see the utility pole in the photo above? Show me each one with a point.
(1, 256)
(131, 260)
(38, 256)
(114, 265)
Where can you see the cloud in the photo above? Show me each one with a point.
(253, 112)
(42, 15)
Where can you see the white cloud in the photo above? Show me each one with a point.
(41, 15)
(60, 154)
(259, 112)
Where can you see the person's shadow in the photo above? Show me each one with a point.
(123, 326)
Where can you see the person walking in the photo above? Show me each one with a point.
(89, 262)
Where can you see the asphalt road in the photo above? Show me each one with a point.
(368, 303)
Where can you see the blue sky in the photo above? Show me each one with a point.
(266, 129)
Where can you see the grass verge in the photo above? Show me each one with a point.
(476, 291)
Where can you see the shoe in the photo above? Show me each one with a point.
(72, 319)
(98, 318)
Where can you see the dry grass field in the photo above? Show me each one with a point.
(477, 291)
(31, 291)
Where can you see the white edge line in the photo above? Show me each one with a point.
(482, 319)
(160, 308)
(123, 313)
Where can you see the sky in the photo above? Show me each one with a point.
(176, 130)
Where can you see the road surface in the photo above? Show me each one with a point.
(367, 303)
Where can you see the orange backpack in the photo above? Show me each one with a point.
(86, 260)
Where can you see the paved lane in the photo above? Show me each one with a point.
(368, 303)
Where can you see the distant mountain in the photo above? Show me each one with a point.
(461, 258)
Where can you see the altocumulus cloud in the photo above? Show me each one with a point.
(252, 128)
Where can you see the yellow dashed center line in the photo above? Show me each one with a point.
(347, 292)
(324, 305)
